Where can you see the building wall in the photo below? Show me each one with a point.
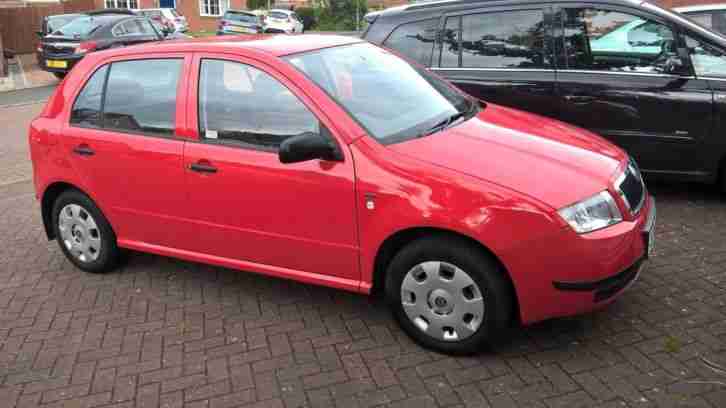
(682, 3)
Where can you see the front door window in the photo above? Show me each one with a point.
(605, 40)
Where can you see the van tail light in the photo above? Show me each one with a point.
(85, 47)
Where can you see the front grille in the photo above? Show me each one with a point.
(59, 49)
(631, 188)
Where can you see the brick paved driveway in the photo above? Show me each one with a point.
(162, 332)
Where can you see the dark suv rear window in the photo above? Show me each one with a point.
(414, 40)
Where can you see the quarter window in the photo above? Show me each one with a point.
(87, 108)
(243, 106)
(414, 40)
(141, 96)
(134, 27)
(606, 40)
(511, 39)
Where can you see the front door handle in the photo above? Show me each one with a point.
(579, 98)
(202, 167)
(83, 150)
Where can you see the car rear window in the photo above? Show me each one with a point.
(80, 27)
(277, 14)
(243, 17)
(54, 23)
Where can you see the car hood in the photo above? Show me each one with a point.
(553, 162)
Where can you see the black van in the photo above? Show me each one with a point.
(646, 78)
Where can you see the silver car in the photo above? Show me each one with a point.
(239, 22)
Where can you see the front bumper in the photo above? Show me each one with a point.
(570, 274)
(606, 288)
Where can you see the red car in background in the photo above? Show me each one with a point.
(332, 161)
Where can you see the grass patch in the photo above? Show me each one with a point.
(200, 34)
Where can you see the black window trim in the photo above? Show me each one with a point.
(546, 9)
(236, 144)
(102, 126)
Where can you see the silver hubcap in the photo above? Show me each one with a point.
(79, 233)
(442, 300)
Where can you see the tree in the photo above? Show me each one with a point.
(256, 4)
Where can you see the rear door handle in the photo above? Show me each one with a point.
(83, 150)
(202, 168)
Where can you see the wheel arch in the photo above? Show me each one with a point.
(395, 242)
(50, 194)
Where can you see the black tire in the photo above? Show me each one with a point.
(59, 75)
(107, 256)
(722, 177)
(480, 267)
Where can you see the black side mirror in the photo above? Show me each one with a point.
(308, 146)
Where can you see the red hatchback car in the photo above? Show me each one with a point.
(332, 161)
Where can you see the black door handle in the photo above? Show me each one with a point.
(202, 168)
(579, 98)
(83, 150)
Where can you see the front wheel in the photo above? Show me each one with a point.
(448, 294)
(83, 233)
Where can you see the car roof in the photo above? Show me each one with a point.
(702, 7)
(273, 44)
(463, 3)
(240, 11)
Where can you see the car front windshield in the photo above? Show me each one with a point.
(80, 27)
(391, 98)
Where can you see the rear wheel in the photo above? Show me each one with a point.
(83, 233)
(448, 294)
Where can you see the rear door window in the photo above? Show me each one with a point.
(141, 96)
(507, 39)
(415, 40)
(87, 108)
(500, 39)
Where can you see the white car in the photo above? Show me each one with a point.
(711, 16)
(168, 17)
(283, 21)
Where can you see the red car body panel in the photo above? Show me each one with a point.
(497, 178)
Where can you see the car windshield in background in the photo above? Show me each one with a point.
(278, 15)
(243, 17)
(54, 23)
(80, 27)
(391, 98)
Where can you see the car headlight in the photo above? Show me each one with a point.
(594, 213)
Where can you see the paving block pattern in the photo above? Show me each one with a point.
(165, 333)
